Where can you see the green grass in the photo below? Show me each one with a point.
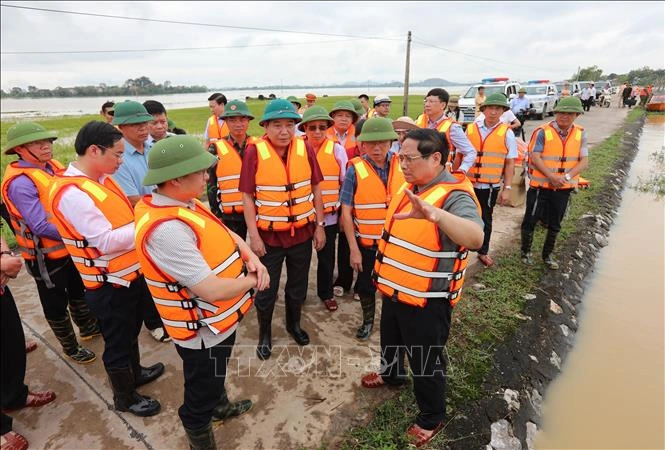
(484, 318)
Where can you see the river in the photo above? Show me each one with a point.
(11, 108)
(611, 394)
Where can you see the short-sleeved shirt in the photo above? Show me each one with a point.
(247, 185)
(351, 182)
(131, 172)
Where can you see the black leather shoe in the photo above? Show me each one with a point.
(364, 331)
(299, 335)
(149, 374)
(226, 410)
(263, 351)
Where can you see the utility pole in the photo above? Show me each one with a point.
(406, 75)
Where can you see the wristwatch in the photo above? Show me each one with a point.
(507, 187)
(321, 224)
(566, 177)
(7, 252)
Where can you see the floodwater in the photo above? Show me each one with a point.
(74, 106)
(610, 394)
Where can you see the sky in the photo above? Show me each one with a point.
(364, 41)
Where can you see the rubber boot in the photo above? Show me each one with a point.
(84, 319)
(548, 248)
(202, 439)
(144, 375)
(527, 240)
(64, 332)
(293, 312)
(226, 409)
(125, 397)
(264, 348)
(367, 303)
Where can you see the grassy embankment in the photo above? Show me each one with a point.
(484, 318)
(191, 119)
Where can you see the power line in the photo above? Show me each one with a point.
(199, 24)
(131, 50)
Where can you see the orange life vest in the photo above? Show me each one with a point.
(182, 313)
(215, 132)
(372, 197)
(443, 127)
(350, 145)
(330, 169)
(492, 153)
(31, 246)
(559, 156)
(410, 250)
(283, 192)
(228, 176)
(95, 267)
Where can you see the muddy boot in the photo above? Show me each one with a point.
(293, 312)
(84, 319)
(202, 439)
(64, 332)
(367, 303)
(527, 240)
(226, 409)
(264, 348)
(144, 375)
(125, 397)
(548, 248)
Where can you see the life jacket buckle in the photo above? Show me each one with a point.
(88, 262)
(290, 187)
(463, 255)
(190, 303)
(457, 276)
(173, 287)
(379, 257)
(453, 295)
(81, 244)
(385, 235)
(193, 325)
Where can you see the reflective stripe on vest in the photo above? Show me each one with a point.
(331, 172)
(228, 178)
(443, 127)
(350, 144)
(95, 267)
(372, 197)
(215, 132)
(33, 247)
(492, 152)
(410, 251)
(182, 313)
(558, 155)
(283, 191)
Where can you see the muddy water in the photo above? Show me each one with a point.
(610, 394)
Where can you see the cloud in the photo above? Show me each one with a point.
(521, 40)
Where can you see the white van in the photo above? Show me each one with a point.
(543, 97)
(467, 102)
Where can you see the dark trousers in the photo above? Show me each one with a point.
(68, 287)
(297, 259)
(487, 199)
(117, 312)
(421, 334)
(344, 270)
(239, 227)
(148, 313)
(14, 390)
(204, 371)
(586, 104)
(548, 204)
(364, 285)
(326, 264)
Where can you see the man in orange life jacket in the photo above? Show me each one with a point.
(280, 182)
(430, 225)
(223, 195)
(370, 182)
(332, 160)
(96, 222)
(200, 274)
(216, 127)
(558, 154)
(497, 150)
(25, 188)
(462, 154)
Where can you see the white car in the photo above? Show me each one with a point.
(543, 98)
(467, 103)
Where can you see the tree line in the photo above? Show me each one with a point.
(642, 76)
(131, 87)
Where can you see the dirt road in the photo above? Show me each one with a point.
(303, 396)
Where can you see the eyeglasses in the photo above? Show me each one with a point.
(115, 154)
(407, 159)
(317, 127)
(109, 112)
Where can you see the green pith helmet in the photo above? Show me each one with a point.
(377, 129)
(346, 105)
(176, 157)
(236, 108)
(358, 106)
(279, 109)
(315, 113)
(294, 99)
(24, 133)
(129, 112)
(522, 91)
(569, 105)
(171, 124)
(496, 99)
